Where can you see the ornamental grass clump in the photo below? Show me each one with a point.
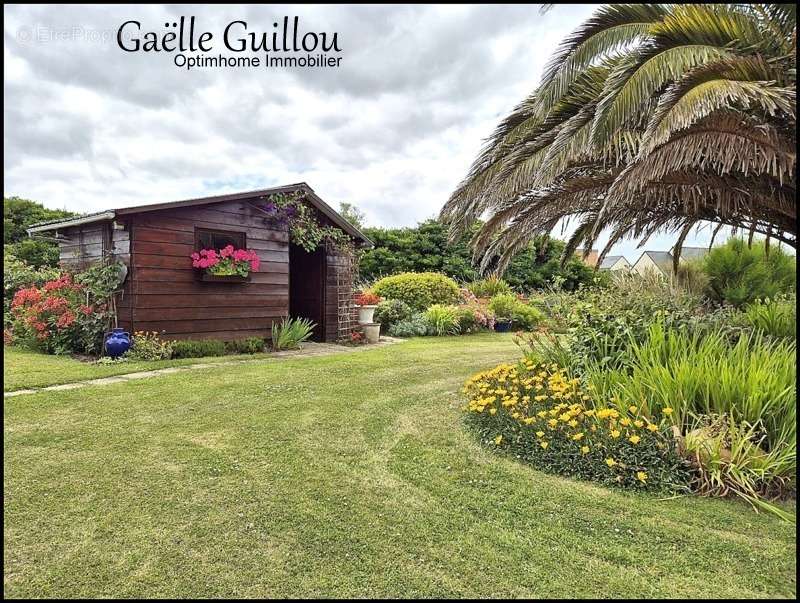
(732, 407)
(536, 412)
(289, 333)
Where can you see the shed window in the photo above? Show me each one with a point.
(217, 239)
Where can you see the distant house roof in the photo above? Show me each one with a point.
(311, 196)
(692, 253)
(610, 260)
(662, 260)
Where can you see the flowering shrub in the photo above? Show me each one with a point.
(227, 261)
(474, 317)
(367, 298)
(290, 212)
(356, 337)
(58, 317)
(536, 412)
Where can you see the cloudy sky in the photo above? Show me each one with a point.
(392, 130)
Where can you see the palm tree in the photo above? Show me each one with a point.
(648, 118)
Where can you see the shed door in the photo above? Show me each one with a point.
(306, 287)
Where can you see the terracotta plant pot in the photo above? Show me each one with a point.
(372, 331)
(365, 314)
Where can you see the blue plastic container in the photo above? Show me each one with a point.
(502, 326)
(117, 342)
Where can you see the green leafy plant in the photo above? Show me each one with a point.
(148, 345)
(489, 287)
(250, 345)
(418, 290)
(507, 306)
(739, 274)
(777, 318)
(291, 332)
(390, 312)
(689, 375)
(414, 326)
(197, 348)
(442, 320)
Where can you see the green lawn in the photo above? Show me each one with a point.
(24, 369)
(347, 475)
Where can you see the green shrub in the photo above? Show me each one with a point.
(197, 348)
(489, 287)
(503, 305)
(739, 274)
(777, 318)
(148, 345)
(290, 333)
(442, 320)
(250, 345)
(693, 376)
(390, 312)
(508, 306)
(415, 326)
(602, 323)
(419, 290)
(539, 415)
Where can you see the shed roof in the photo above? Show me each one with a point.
(310, 195)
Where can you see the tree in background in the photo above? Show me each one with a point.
(425, 248)
(352, 214)
(19, 214)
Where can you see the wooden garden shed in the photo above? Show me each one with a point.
(163, 292)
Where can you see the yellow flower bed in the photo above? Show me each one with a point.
(548, 419)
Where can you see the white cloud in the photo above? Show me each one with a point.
(393, 130)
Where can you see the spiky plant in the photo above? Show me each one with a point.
(648, 118)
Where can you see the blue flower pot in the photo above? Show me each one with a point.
(117, 342)
(502, 326)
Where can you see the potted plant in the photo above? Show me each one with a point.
(366, 301)
(226, 265)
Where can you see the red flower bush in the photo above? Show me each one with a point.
(367, 298)
(227, 261)
(56, 317)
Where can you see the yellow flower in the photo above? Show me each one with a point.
(528, 420)
(573, 423)
(652, 427)
(610, 462)
(552, 423)
(667, 410)
(498, 440)
(632, 409)
(544, 445)
(492, 411)
(577, 437)
(615, 433)
(625, 422)
(585, 449)
(641, 476)
(639, 424)
(634, 439)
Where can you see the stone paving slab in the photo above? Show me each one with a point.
(309, 350)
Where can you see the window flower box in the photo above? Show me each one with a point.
(228, 265)
(222, 278)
